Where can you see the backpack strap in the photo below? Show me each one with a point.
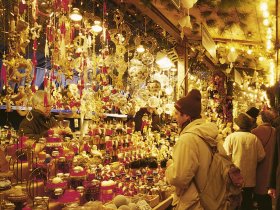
(213, 150)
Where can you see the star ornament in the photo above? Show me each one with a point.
(35, 31)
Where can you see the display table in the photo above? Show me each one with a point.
(164, 204)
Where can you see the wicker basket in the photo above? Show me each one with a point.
(152, 200)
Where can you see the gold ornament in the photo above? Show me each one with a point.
(35, 31)
(118, 18)
(13, 67)
(149, 42)
(120, 36)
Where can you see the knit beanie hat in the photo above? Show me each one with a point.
(253, 112)
(190, 104)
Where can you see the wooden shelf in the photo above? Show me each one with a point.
(164, 204)
(62, 111)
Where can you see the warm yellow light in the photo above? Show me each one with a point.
(232, 49)
(163, 61)
(269, 36)
(265, 14)
(263, 6)
(75, 15)
(97, 26)
(269, 31)
(268, 44)
(140, 48)
(249, 51)
(261, 58)
(271, 73)
(266, 22)
(169, 90)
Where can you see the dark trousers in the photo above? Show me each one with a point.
(247, 198)
(264, 202)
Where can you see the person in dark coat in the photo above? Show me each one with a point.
(266, 133)
(274, 185)
(39, 120)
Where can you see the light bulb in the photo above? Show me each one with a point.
(266, 22)
(75, 15)
(249, 51)
(263, 6)
(163, 61)
(265, 14)
(168, 90)
(97, 26)
(140, 48)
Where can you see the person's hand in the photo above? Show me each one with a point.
(169, 162)
(271, 192)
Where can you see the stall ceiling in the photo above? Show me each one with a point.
(230, 23)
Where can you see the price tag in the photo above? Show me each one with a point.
(76, 123)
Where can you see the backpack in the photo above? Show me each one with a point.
(223, 190)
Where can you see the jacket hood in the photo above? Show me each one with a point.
(208, 130)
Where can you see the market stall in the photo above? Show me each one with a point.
(104, 64)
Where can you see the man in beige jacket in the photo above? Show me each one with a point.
(246, 151)
(191, 155)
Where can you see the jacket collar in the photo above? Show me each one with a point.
(191, 124)
(38, 114)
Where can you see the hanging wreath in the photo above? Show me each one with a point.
(14, 67)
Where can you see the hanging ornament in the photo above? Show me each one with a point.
(35, 31)
(159, 110)
(228, 70)
(147, 58)
(182, 34)
(222, 60)
(188, 22)
(232, 56)
(188, 3)
(47, 51)
(168, 108)
(154, 102)
(34, 9)
(169, 90)
(62, 49)
(185, 22)
(3, 75)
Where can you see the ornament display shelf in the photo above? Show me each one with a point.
(63, 111)
(118, 152)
